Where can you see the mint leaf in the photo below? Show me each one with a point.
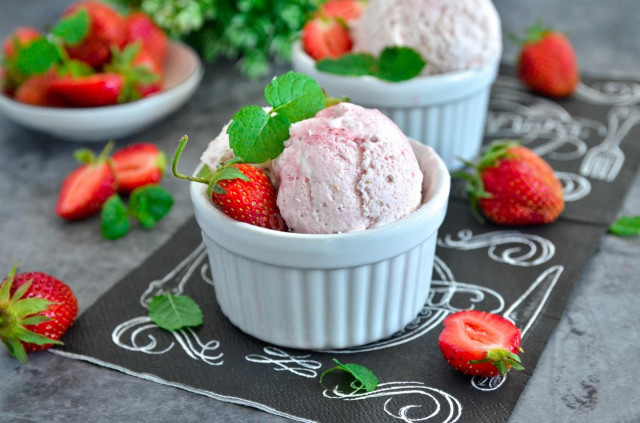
(174, 312)
(395, 64)
(114, 218)
(149, 204)
(73, 29)
(37, 57)
(357, 64)
(399, 64)
(367, 379)
(626, 226)
(256, 136)
(294, 96)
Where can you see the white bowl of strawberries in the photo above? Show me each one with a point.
(103, 75)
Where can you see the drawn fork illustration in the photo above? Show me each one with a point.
(605, 160)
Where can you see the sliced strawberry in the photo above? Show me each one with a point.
(326, 38)
(154, 41)
(106, 28)
(137, 165)
(344, 9)
(101, 89)
(21, 37)
(479, 343)
(85, 190)
(37, 91)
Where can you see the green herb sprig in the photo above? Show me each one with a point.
(257, 135)
(173, 312)
(626, 226)
(366, 378)
(395, 64)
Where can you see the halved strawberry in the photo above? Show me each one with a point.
(37, 91)
(479, 343)
(154, 41)
(326, 38)
(344, 9)
(22, 36)
(85, 190)
(106, 28)
(100, 89)
(137, 165)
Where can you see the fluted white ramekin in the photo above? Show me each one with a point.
(325, 291)
(446, 112)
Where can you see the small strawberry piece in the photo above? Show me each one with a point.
(137, 165)
(145, 60)
(252, 201)
(85, 190)
(37, 91)
(344, 9)
(154, 40)
(547, 63)
(100, 89)
(479, 343)
(107, 28)
(324, 38)
(514, 186)
(35, 311)
(21, 37)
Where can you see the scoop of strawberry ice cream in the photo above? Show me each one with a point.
(347, 169)
(449, 35)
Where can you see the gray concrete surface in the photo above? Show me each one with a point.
(588, 372)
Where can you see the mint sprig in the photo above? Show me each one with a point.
(395, 64)
(147, 204)
(626, 226)
(368, 380)
(171, 312)
(257, 135)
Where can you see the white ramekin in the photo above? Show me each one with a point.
(446, 112)
(325, 291)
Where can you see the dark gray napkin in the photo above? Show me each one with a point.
(525, 274)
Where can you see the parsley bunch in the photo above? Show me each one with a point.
(250, 30)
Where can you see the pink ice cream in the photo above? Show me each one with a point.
(449, 35)
(347, 169)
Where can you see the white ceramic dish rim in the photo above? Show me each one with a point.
(373, 91)
(327, 250)
(106, 111)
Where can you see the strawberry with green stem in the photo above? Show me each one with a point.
(513, 186)
(85, 190)
(547, 62)
(240, 190)
(36, 309)
(479, 343)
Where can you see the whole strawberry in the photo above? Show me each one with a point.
(479, 343)
(514, 186)
(241, 191)
(324, 38)
(547, 63)
(35, 311)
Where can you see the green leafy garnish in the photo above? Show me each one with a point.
(174, 312)
(368, 380)
(149, 204)
(37, 57)
(626, 226)
(395, 64)
(114, 218)
(73, 29)
(257, 135)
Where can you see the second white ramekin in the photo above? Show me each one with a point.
(325, 291)
(446, 112)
